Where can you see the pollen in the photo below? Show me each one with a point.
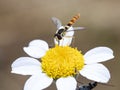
(62, 61)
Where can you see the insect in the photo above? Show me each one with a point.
(88, 86)
(65, 31)
(91, 85)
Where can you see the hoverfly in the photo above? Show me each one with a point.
(91, 85)
(65, 31)
(88, 86)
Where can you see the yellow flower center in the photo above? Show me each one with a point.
(62, 61)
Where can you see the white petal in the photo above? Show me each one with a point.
(98, 54)
(38, 82)
(68, 83)
(96, 72)
(67, 39)
(39, 43)
(26, 66)
(25, 61)
(36, 48)
(34, 51)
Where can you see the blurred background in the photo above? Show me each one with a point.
(24, 20)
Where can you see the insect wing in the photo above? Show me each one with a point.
(76, 29)
(57, 22)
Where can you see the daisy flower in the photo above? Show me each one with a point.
(61, 64)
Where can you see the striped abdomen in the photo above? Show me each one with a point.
(73, 20)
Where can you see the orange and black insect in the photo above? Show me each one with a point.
(72, 21)
(61, 32)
